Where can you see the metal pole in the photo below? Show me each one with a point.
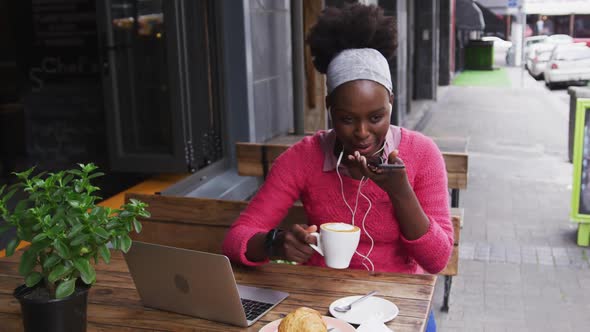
(298, 66)
(522, 58)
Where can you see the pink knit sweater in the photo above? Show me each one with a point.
(298, 174)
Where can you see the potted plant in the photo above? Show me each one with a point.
(68, 232)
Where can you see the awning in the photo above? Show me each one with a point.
(469, 16)
(559, 7)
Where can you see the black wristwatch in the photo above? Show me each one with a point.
(270, 241)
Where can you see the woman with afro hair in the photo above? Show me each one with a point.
(402, 210)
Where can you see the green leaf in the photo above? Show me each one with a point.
(105, 253)
(74, 204)
(51, 261)
(101, 232)
(95, 175)
(125, 214)
(116, 242)
(95, 211)
(75, 230)
(12, 246)
(86, 270)
(125, 243)
(79, 239)
(32, 279)
(88, 167)
(27, 262)
(8, 195)
(62, 249)
(39, 246)
(67, 179)
(137, 226)
(25, 174)
(58, 272)
(65, 288)
(4, 228)
(20, 207)
(39, 237)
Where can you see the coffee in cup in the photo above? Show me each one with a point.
(337, 242)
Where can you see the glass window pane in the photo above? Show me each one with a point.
(142, 76)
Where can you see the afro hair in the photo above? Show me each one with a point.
(353, 26)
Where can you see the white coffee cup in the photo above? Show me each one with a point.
(337, 242)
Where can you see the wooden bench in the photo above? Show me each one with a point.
(202, 223)
(195, 223)
(256, 159)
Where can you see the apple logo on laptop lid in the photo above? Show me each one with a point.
(181, 283)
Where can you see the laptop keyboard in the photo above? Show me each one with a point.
(253, 309)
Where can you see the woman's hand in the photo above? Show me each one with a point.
(392, 181)
(294, 243)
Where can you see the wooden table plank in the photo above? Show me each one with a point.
(115, 305)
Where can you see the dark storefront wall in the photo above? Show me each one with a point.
(426, 41)
(60, 92)
(55, 99)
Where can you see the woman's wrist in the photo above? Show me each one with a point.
(401, 193)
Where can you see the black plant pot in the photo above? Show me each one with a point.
(53, 315)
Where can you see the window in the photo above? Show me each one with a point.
(161, 85)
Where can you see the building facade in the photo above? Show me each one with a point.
(153, 86)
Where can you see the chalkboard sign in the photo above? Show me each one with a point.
(64, 106)
(581, 176)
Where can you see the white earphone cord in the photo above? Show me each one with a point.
(353, 212)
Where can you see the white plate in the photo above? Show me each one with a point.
(337, 324)
(372, 308)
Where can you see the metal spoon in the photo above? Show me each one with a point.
(347, 307)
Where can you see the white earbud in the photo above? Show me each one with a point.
(339, 159)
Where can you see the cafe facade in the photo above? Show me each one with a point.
(145, 87)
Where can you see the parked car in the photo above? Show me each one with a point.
(540, 53)
(582, 40)
(559, 39)
(537, 62)
(528, 42)
(499, 43)
(568, 65)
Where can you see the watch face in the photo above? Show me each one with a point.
(270, 240)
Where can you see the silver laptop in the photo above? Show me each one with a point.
(196, 283)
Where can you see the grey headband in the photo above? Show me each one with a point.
(358, 64)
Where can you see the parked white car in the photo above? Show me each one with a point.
(559, 39)
(568, 65)
(528, 43)
(538, 59)
(499, 43)
(540, 53)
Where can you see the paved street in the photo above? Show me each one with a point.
(520, 268)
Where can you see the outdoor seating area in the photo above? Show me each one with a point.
(255, 159)
(295, 166)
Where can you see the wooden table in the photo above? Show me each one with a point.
(114, 304)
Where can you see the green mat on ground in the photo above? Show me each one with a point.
(496, 77)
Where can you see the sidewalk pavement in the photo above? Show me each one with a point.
(520, 268)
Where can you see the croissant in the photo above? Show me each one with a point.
(303, 320)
